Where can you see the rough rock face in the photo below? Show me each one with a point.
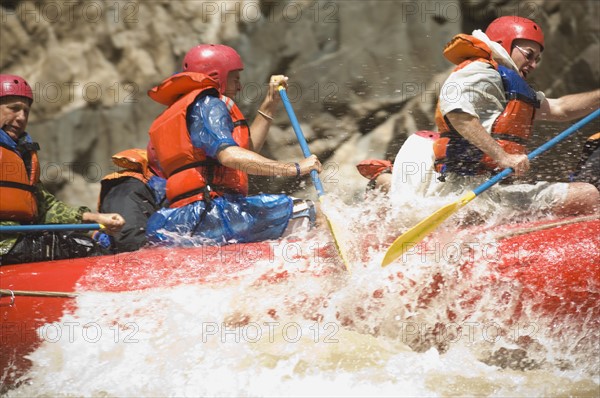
(363, 74)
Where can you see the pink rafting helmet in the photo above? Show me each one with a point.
(15, 85)
(214, 60)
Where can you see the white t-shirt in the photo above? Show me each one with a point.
(476, 89)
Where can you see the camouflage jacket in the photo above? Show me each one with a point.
(50, 211)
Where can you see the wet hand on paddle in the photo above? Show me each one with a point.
(519, 163)
(309, 164)
(270, 102)
(112, 223)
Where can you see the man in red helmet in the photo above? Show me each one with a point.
(23, 198)
(485, 115)
(206, 150)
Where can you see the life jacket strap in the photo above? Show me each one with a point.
(12, 184)
(203, 163)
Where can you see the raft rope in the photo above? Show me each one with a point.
(36, 293)
(547, 226)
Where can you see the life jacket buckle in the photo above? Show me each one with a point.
(206, 198)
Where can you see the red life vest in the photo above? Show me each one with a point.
(373, 168)
(17, 184)
(512, 127)
(190, 173)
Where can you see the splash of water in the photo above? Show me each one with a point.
(296, 324)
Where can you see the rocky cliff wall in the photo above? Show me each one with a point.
(363, 74)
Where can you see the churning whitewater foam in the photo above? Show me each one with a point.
(420, 328)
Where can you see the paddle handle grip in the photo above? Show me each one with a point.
(303, 144)
(48, 227)
(538, 151)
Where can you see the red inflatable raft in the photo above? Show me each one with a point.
(555, 263)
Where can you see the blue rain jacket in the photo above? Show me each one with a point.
(227, 219)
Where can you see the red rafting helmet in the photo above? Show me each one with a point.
(506, 29)
(15, 85)
(214, 60)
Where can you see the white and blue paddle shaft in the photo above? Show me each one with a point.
(303, 144)
(313, 174)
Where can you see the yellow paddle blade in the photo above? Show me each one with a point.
(334, 229)
(414, 235)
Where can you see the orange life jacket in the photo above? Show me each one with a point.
(512, 127)
(17, 182)
(131, 163)
(190, 173)
(372, 168)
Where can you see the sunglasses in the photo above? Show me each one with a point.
(530, 55)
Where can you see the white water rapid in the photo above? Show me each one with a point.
(421, 328)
